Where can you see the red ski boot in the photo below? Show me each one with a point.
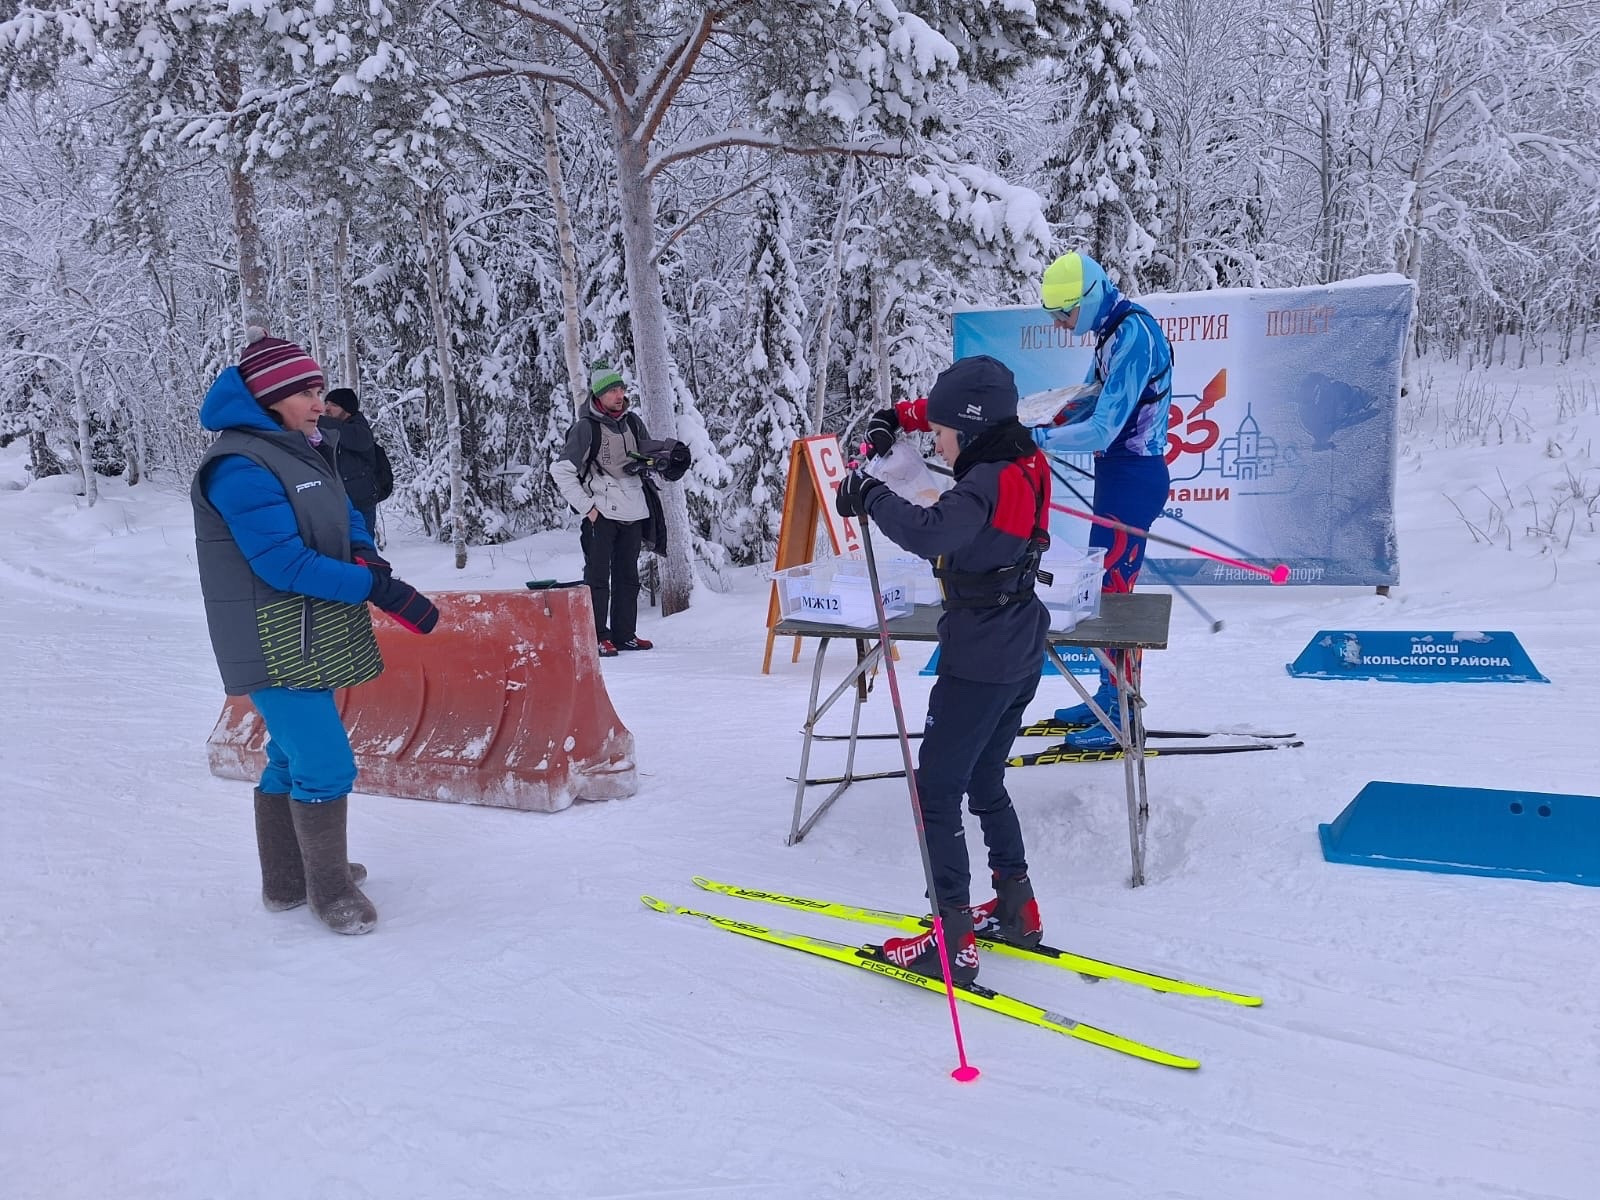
(920, 953)
(1012, 916)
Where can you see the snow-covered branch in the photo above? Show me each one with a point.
(528, 70)
(769, 141)
(570, 31)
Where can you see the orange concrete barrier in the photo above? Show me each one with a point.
(502, 704)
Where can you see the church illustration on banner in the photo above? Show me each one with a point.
(1248, 454)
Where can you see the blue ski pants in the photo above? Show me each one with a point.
(1130, 489)
(308, 750)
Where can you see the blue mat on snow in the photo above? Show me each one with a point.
(1463, 656)
(1469, 831)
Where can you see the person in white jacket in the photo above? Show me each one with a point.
(604, 472)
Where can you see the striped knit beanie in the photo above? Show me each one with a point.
(274, 369)
(603, 377)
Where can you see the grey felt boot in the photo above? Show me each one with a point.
(330, 889)
(283, 872)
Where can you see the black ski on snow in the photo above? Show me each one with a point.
(1061, 729)
(1067, 754)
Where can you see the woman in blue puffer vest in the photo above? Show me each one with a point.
(286, 568)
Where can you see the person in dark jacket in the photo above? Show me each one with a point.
(605, 471)
(363, 465)
(984, 536)
(286, 568)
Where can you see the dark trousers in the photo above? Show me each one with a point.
(965, 744)
(611, 569)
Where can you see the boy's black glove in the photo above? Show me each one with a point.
(881, 430)
(855, 489)
(402, 602)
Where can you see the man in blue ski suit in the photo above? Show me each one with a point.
(1125, 427)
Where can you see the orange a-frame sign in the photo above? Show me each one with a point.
(815, 468)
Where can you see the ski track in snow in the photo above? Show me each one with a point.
(521, 1026)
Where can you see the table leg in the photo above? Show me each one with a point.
(1132, 740)
(1136, 756)
(865, 659)
(795, 831)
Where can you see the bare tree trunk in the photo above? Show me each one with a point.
(830, 293)
(344, 291)
(882, 388)
(129, 435)
(254, 304)
(1322, 13)
(253, 307)
(80, 413)
(313, 299)
(652, 355)
(571, 342)
(436, 252)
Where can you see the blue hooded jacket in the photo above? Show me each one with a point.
(1137, 355)
(256, 508)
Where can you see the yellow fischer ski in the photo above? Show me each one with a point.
(1093, 967)
(975, 993)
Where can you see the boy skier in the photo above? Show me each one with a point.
(985, 536)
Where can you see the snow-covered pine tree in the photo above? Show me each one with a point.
(1103, 196)
(926, 234)
(772, 384)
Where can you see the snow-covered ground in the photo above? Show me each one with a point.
(520, 1026)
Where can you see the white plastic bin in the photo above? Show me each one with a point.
(916, 573)
(836, 591)
(1074, 594)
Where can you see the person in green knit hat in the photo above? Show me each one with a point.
(606, 472)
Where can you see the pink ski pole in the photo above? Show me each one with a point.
(965, 1072)
(1278, 574)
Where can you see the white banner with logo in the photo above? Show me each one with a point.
(1282, 425)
